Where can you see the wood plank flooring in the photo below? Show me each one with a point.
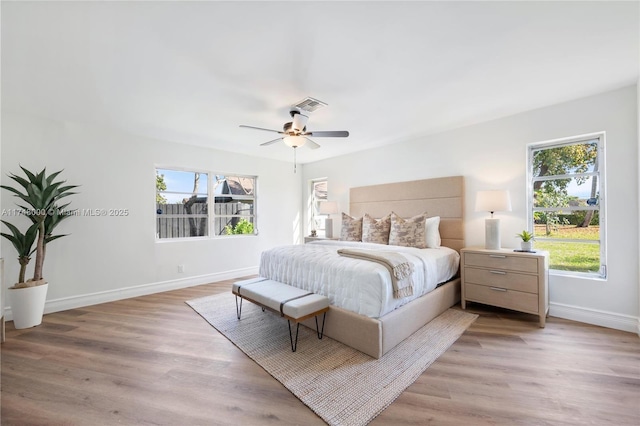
(153, 360)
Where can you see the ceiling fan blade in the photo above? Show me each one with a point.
(261, 128)
(312, 144)
(271, 142)
(328, 134)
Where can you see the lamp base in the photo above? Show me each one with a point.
(328, 228)
(492, 234)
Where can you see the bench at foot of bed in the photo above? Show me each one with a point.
(294, 304)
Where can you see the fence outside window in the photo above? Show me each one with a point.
(183, 204)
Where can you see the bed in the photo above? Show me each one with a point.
(364, 314)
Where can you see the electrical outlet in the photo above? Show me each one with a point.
(180, 269)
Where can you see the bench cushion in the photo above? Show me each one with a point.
(271, 294)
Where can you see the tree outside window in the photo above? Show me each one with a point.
(566, 210)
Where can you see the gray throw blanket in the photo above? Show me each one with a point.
(399, 267)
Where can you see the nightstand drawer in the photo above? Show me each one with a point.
(510, 299)
(500, 278)
(502, 261)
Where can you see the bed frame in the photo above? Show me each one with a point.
(442, 197)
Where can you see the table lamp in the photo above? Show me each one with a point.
(328, 208)
(492, 201)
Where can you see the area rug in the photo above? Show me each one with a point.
(340, 384)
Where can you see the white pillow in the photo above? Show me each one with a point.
(433, 239)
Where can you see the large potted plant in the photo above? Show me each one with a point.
(39, 196)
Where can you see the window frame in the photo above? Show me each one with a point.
(314, 205)
(236, 197)
(600, 138)
(211, 216)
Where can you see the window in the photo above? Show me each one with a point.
(185, 199)
(181, 204)
(234, 204)
(318, 195)
(566, 203)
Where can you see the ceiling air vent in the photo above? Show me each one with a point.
(309, 104)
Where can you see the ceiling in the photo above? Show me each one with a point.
(192, 72)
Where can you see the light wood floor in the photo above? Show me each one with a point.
(153, 360)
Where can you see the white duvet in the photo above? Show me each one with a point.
(357, 285)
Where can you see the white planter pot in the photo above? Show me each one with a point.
(27, 305)
(526, 246)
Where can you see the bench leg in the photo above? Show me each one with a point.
(320, 332)
(238, 308)
(293, 345)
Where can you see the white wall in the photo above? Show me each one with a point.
(492, 155)
(107, 258)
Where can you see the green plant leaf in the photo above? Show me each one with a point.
(22, 181)
(41, 193)
(50, 238)
(53, 175)
(21, 242)
(30, 175)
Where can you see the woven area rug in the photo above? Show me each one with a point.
(340, 384)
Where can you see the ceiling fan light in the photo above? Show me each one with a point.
(294, 141)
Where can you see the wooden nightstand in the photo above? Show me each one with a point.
(308, 239)
(508, 279)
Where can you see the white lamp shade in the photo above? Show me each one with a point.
(329, 207)
(295, 141)
(493, 201)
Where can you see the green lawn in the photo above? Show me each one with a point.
(570, 256)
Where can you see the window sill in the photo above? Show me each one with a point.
(577, 275)
(217, 237)
(177, 240)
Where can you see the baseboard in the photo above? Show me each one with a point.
(593, 316)
(74, 302)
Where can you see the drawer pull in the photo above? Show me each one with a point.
(499, 256)
(498, 272)
(498, 289)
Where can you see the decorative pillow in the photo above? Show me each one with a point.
(408, 232)
(351, 228)
(433, 232)
(375, 230)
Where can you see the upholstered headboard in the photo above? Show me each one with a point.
(442, 197)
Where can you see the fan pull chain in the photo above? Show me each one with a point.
(294, 159)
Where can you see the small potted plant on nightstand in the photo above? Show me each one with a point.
(527, 240)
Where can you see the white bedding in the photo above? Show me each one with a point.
(357, 285)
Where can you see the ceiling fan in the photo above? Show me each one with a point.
(294, 133)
